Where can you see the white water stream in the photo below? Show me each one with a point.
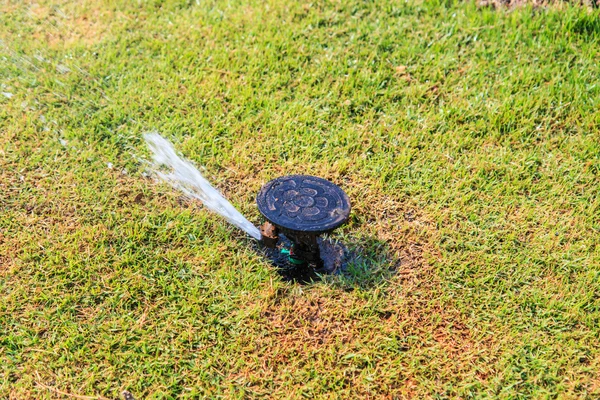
(186, 178)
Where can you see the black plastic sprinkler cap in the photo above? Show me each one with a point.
(302, 207)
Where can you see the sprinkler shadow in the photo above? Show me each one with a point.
(350, 262)
(369, 263)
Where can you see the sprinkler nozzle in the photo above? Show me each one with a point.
(269, 235)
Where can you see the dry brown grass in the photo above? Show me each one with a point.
(535, 3)
(64, 24)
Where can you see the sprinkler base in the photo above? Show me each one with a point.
(334, 257)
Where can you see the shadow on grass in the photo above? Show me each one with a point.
(369, 262)
(349, 262)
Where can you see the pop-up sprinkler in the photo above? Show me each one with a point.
(299, 207)
(302, 207)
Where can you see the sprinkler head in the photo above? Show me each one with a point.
(302, 207)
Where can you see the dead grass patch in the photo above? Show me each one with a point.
(535, 3)
(350, 338)
(66, 24)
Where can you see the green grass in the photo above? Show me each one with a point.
(467, 138)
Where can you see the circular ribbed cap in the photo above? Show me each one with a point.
(304, 203)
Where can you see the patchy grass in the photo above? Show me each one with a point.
(467, 138)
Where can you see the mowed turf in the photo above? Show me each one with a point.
(467, 138)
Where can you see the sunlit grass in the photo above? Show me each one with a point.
(467, 138)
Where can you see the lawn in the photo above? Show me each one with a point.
(468, 139)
